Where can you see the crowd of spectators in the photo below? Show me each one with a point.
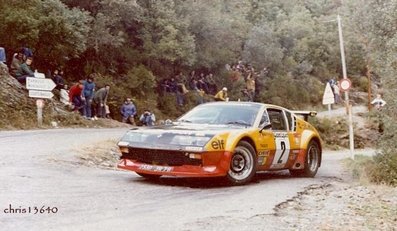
(205, 84)
(83, 97)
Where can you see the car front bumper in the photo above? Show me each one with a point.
(214, 164)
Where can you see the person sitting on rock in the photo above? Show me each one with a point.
(24, 71)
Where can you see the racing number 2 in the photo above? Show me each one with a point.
(282, 143)
(282, 151)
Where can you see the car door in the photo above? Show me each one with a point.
(266, 145)
(280, 127)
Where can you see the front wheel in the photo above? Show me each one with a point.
(242, 164)
(312, 161)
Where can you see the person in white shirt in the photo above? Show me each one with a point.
(378, 102)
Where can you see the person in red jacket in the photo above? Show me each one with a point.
(75, 96)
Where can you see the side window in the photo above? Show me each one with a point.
(277, 119)
(264, 119)
(291, 120)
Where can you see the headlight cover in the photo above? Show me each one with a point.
(184, 140)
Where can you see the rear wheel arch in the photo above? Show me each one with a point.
(312, 160)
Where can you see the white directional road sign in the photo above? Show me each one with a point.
(40, 94)
(39, 84)
(39, 75)
(328, 97)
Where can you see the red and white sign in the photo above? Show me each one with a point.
(345, 84)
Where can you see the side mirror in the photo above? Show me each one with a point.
(266, 127)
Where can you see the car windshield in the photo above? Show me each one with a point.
(229, 113)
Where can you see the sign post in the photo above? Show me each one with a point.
(345, 83)
(328, 97)
(40, 105)
(40, 88)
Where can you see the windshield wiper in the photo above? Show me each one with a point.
(239, 123)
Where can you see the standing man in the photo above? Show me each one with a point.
(378, 102)
(88, 94)
(336, 91)
(250, 85)
(128, 111)
(100, 99)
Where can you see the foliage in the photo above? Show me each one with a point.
(55, 32)
(377, 34)
(331, 131)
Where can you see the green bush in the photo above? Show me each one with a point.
(385, 169)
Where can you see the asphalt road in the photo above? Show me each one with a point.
(39, 168)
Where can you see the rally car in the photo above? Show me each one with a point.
(233, 140)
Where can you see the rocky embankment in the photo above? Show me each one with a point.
(18, 111)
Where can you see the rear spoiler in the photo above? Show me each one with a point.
(305, 114)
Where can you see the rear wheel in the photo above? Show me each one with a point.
(312, 161)
(242, 164)
(149, 176)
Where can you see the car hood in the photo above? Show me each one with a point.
(179, 136)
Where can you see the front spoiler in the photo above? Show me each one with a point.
(216, 170)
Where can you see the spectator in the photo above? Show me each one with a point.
(165, 86)
(202, 83)
(147, 118)
(27, 52)
(2, 55)
(100, 99)
(335, 89)
(235, 74)
(173, 85)
(221, 95)
(128, 111)
(75, 97)
(250, 85)
(58, 80)
(211, 83)
(88, 94)
(24, 71)
(200, 96)
(64, 95)
(378, 102)
(17, 60)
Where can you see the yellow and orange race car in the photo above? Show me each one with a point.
(225, 139)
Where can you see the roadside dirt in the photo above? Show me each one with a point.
(341, 206)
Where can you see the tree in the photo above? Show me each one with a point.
(55, 32)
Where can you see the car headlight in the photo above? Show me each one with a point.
(198, 141)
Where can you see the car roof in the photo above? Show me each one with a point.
(246, 103)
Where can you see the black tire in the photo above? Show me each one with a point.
(312, 161)
(149, 176)
(242, 164)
